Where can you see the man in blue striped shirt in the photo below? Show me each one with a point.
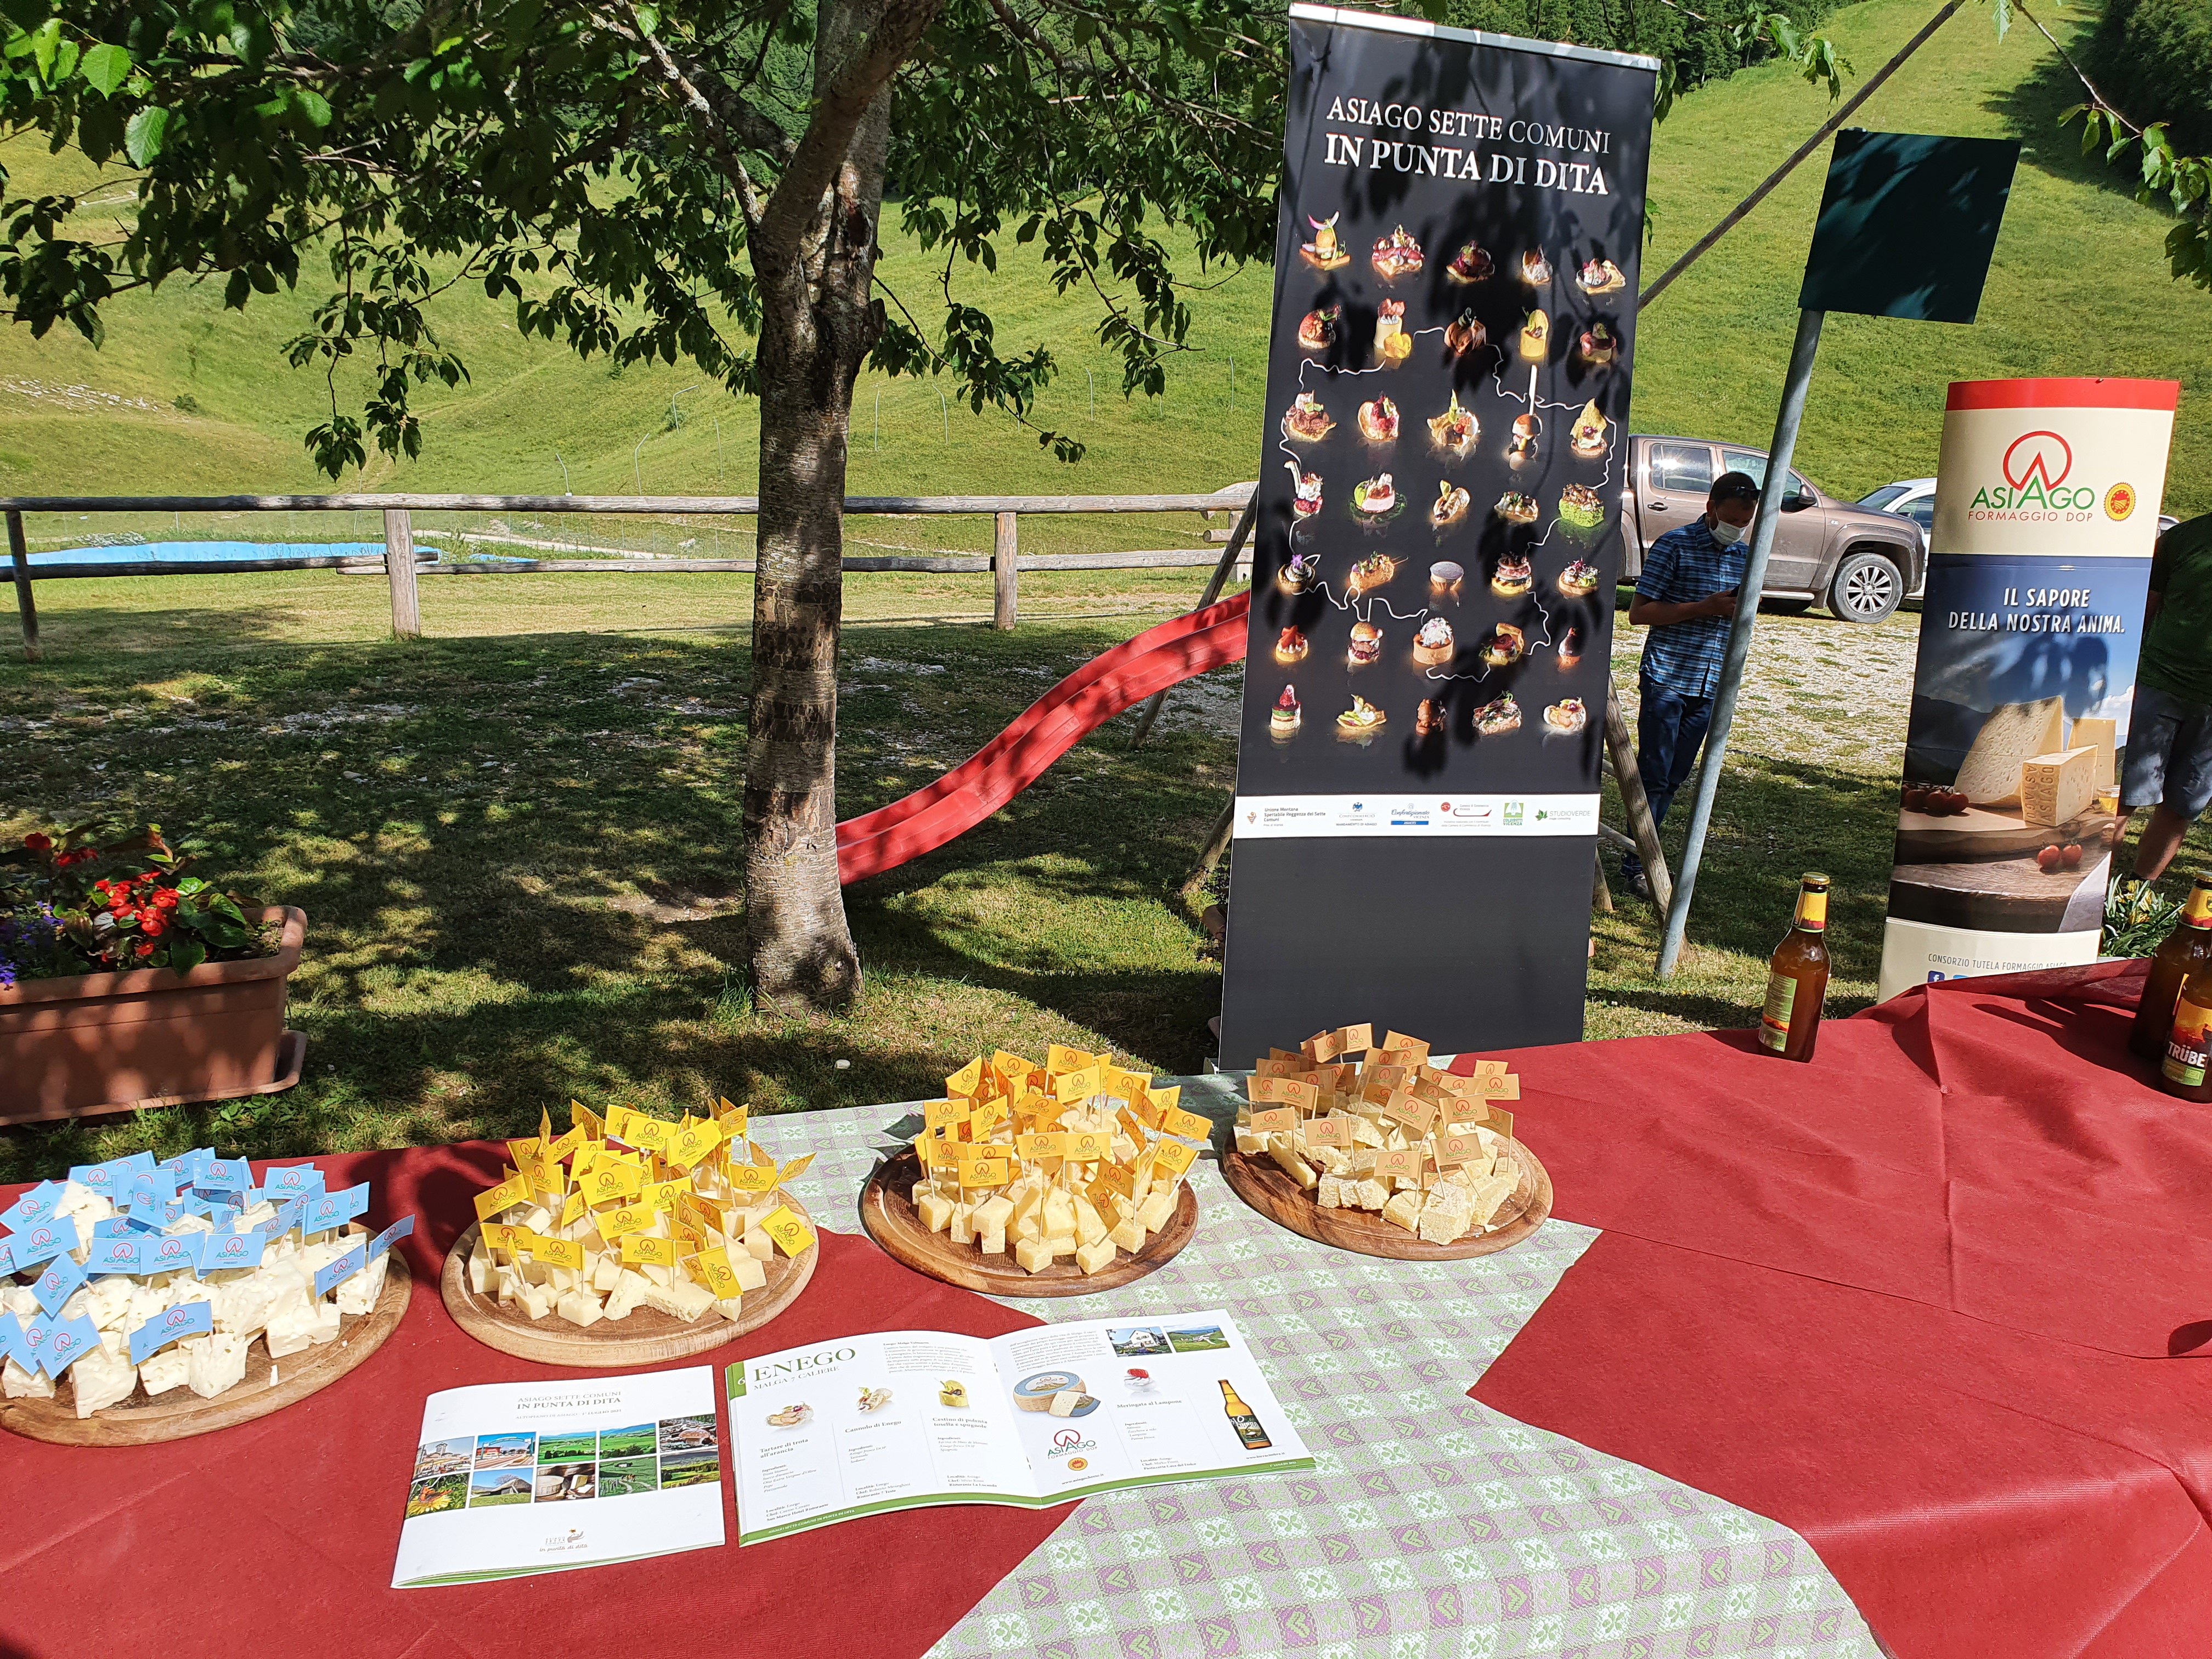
(1685, 595)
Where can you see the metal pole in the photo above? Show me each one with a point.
(945, 409)
(721, 472)
(19, 554)
(399, 573)
(1093, 384)
(1801, 354)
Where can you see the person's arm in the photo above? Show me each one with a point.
(1662, 613)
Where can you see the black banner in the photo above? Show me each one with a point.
(1438, 544)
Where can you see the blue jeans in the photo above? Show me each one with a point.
(1670, 728)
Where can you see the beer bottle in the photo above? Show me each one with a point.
(2186, 1071)
(1797, 977)
(2187, 949)
(1241, 1419)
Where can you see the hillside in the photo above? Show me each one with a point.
(189, 397)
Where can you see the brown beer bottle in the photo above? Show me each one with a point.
(1243, 1419)
(1797, 977)
(2186, 1071)
(2187, 949)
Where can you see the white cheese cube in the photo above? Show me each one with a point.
(628, 1293)
(108, 1302)
(1095, 1256)
(606, 1269)
(759, 1246)
(2055, 787)
(536, 1301)
(752, 1275)
(291, 1331)
(358, 1294)
(214, 1363)
(164, 1372)
(579, 1308)
(16, 1383)
(100, 1379)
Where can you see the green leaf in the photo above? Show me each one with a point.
(105, 67)
(45, 40)
(648, 20)
(144, 137)
(313, 105)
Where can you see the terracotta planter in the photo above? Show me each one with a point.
(122, 1042)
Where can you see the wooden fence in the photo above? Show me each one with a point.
(402, 567)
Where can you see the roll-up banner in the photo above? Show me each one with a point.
(2046, 509)
(1436, 547)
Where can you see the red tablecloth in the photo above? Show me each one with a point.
(278, 1535)
(1930, 1300)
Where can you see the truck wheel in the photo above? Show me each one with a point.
(1867, 588)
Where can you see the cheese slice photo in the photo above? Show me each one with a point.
(2054, 788)
(2014, 734)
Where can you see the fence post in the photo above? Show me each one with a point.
(399, 571)
(19, 557)
(1005, 574)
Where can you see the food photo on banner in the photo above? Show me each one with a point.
(2046, 510)
(1436, 539)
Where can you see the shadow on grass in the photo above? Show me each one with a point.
(458, 818)
(2030, 108)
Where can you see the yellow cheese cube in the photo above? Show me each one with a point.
(1098, 1254)
(1129, 1236)
(935, 1210)
(1033, 1255)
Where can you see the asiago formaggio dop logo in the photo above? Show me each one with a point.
(2039, 488)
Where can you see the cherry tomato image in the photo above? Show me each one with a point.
(2072, 856)
(2047, 859)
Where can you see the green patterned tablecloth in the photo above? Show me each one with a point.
(1431, 1527)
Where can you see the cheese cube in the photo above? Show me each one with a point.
(1404, 1209)
(2055, 787)
(628, 1293)
(751, 1275)
(164, 1372)
(992, 1244)
(480, 1275)
(759, 1246)
(19, 1299)
(1097, 1254)
(1058, 1213)
(959, 1232)
(1279, 1149)
(16, 1383)
(579, 1308)
(214, 1363)
(1368, 1193)
(290, 1332)
(1491, 1192)
(1251, 1142)
(1031, 1254)
(327, 1323)
(1330, 1194)
(108, 1302)
(606, 1268)
(536, 1301)
(935, 1210)
(358, 1294)
(1089, 1228)
(1128, 1236)
(1155, 1212)
(992, 1214)
(99, 1379)
(683, 1300)
(1445, 1216)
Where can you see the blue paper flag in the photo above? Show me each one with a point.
(61, 1281)
(293, 1180)
(34, 1206)
(219, 1252)
(121, 1251)
(329, 1279)
(327, 1210)
(44, 1242)
(151, 1190)
(172, 1251)
(94, 1178)
(31, 1346)
(402, 1228)
(11, 1341)
(67, 1342)
(225, 1174)
(7, 1255)
(171, 1325)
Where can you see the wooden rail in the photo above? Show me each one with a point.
(402, 567)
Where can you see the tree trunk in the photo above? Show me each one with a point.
(817, 325)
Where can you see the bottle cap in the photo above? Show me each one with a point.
(1815, 878)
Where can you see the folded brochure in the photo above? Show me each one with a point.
(901, 1420)
(513, 1479)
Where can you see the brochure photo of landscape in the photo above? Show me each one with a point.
(563, 1467)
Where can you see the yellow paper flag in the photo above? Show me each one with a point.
(789, 1231)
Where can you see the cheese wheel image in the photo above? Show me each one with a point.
(1034, 1394)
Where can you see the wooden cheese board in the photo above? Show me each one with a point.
(1982, 832)
(2012, 895)
(645, 1337)
(269, 1386)
(1274, 1193)
(887, 1211)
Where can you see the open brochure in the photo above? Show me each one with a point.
(899, 1420)
(512, 1478)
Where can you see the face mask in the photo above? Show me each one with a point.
(1727, 534)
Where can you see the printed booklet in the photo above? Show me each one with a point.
(904, 1419)
(513, 1478)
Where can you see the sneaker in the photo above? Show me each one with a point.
(1638, 884)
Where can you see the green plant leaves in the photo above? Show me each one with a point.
(145, 134)
(105, 67)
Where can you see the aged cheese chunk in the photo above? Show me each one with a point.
(1058, 1213)
(1155, 1212)
(1330, 1194)
(1490, 1192)
(2055, 787)
(1064, 1402)
(1299, 1170)
(99, 1379)
(1089, 1225)
(16, 1383)
(1097, 1254)
(2103, 736)
(685, 1300)
(960, 1231)
(2015, 732)
(1032, 1255)
(935, 1210)
(1446, 1215)
(758, 1245)
(164, 1372)
(1250, 1142)
(1370, 1194)
(579, 1308)
(992, 1243)
(628, 1293)
(1128, 1236)
(992, 1214)
(1404, 1209)
(752, 1275)
(214, 1363)
(291, 1331)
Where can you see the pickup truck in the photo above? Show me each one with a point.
(1859, 561)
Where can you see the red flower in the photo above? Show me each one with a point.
(145, 949)
(37, 842)
(100, 886)
(152, 926)
(167, 898)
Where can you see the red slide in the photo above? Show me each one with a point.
(1132, 671)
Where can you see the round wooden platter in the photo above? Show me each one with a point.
(887, 1211)
(270, 1385)
(1270, 1189)
(644, 1338)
